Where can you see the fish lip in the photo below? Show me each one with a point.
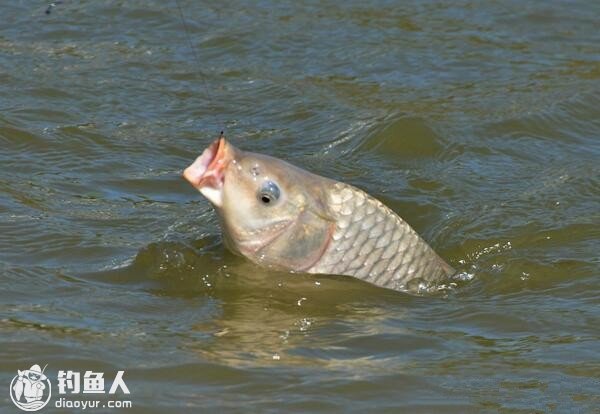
(208, 169)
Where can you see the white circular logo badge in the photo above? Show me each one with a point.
(30, 389)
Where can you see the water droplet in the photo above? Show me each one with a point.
(304, 324)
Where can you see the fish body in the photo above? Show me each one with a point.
(281, 216)
(372, 243)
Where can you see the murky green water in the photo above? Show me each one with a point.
(477, 122)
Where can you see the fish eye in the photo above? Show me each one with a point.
(269, 193)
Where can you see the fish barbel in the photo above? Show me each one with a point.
(281, 216)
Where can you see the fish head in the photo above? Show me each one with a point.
(270, 211)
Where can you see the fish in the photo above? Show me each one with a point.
(280, 216)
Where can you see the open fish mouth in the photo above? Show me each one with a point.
(207, 172)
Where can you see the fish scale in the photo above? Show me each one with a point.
(374, 244)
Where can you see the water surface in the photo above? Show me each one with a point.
(477, 122)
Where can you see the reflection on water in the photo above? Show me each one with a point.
(476, 122)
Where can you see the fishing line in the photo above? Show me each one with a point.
(194, 53)
(187, 37)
